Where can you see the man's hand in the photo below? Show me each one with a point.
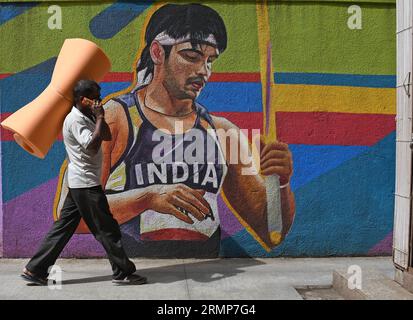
(98, 110)
(168, 198)
(276, 158)
(95, 106)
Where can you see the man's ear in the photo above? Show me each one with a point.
(157, 53)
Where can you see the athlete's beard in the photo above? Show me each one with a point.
(172, 86)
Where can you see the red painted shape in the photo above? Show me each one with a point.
(173, 234)
(5, 75)
(320, 128)
(330, 128)
(235, 77)
(118, 77)
(215, 77)
(243, 120)
(311, 128)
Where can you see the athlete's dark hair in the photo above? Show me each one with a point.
(84, 88)
(179, 20)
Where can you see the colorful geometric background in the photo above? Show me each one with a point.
(334, 95)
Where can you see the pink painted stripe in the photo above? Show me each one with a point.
(385, 246)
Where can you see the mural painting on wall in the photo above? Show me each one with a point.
(170, 159)
(332, 92)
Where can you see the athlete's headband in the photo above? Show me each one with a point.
(164, 39)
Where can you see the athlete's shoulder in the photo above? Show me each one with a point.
(116, 103)
(218, 122)
(223, 123)
(114, 111)
(111, 105)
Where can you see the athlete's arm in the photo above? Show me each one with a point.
(245, 191)
(125, 205)
(106, 134)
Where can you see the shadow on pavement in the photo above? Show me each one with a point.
(202, 271)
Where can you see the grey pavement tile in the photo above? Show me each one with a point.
(182, 279)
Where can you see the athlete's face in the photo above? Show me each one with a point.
(188, 69)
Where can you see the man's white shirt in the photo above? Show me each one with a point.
(84, 167)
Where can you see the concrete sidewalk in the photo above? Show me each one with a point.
(229, 279)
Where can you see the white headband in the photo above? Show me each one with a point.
(164, 39)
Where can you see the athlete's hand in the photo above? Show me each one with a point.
(276, 158)
(168, 198)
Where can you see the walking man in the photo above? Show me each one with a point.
(84, 129)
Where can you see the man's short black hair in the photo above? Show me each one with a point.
(84, 88)
(179, 20)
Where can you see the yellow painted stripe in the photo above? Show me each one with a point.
(311, 98)
(264, 39)
(117, 178)
(59, 189)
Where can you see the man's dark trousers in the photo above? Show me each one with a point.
(91, 205)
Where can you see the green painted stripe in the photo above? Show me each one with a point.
(242, 54)
(310, 37)
(307, 37)
(30, 31)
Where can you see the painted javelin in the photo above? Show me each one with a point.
(272, 183)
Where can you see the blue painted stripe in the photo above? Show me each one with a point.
(37, 79)
(311, 162)
(232, 97)
(21, 171)
(111, 87)
(14, 9)
(113, 19)
(216, 96)
(343, 212)
(330, 79)
(25, 86)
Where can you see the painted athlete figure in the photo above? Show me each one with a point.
(163, 209)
